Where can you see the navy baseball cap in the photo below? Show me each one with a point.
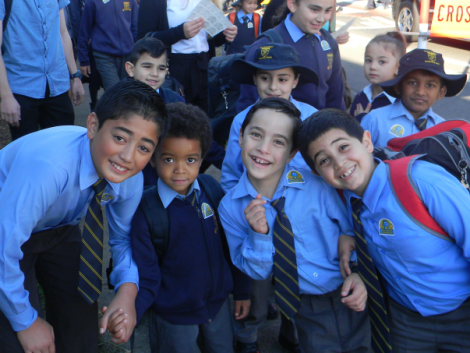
(428, 60)
(271, 56)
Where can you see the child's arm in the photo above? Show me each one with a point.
(86, 24)
(354, 293)
(346, 244)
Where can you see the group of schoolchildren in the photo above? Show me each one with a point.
(180, 249)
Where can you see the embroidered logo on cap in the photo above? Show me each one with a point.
(431, 57)
(397, 130)
(265, 52)
(127, 6)
(386, 227)
(206, 210)
(294, 177)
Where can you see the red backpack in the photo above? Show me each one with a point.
(232, 15)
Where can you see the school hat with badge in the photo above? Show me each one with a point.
(428, 60)
(271, 56)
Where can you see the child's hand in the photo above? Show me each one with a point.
(343, 38)
(230, 33)
(360, 109)
(255, 215)
(39, 337)
(114, 318)
(358, 297)
(193, 27)
(242, 308)
(346, 244)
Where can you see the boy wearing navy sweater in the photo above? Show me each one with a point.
(186, 289)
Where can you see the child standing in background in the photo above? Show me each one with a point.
(381, 60)
(248, 23)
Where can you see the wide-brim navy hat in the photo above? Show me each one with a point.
(428, 60)
(271, 56)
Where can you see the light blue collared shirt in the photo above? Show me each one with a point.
(392, 121)
(368, 92)
(422, 271)
(318, 217)
(167, 194)
(33, 52)
(294, 31)
(240, 16)
(46, 182)
(232, 167)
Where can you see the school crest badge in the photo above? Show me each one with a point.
(106, 1)
(325, 45)
(386, 227)
(397, 130)
(127, 6)
(265, 52)
(206, 210)
(431, 57)
(106, 197)
(295, 177)
(330, 61)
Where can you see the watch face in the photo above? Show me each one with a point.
(77, 74)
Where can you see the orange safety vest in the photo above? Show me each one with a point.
(255, 20)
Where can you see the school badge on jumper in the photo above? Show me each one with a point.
(325, 45)
(127, 6)
(250, 25)
(397, 130)
(386, 227)
(265, 52)
(330, 61)
(106, 1)
(294, 177)
(106, 197)
(206, 210)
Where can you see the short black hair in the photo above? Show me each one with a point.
(148, 45)
(191, 122)
(320, 123)
(279, 105)
(128, 98)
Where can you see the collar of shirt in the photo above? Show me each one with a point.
(368, 92)
(374, 189)
(399, 110)
(167, 194)
(88, 174)
(294, 31)
(245, 188)
(240, 16)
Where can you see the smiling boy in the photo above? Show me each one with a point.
(52, 179)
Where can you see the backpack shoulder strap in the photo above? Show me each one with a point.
(408, 196)
(231, 17)
(157, 219)
(256, 23)
(212, 189)
(272, 35)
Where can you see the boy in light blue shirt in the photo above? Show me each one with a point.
(275, 72)
(421, 81)
(295, 241)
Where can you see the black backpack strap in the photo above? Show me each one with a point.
(272, 35)
(212, 189)
(157, 219)
(7, 13)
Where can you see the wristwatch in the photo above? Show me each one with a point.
(77, 74)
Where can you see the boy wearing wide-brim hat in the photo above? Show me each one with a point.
(421, 81)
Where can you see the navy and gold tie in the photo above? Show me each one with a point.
(245, 19)
(421, 123)
(286, 285)
(381, 342)
(91, 257)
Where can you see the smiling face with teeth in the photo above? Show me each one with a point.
(121, 148)
(149, 70)
(266, 147)
(343, 161)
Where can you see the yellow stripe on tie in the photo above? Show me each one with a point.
(282, 226)
(376, 303)
(93, 235)
(378, 317)
(363, 253)
(96, 218)
(377, 343)
(91, 251)
(90, 267)
(285, 272)
(422, 123)
(98, 182)
(89, 283)
(360, 237)
(287, 288)
(378, 331)
(285, 301)
(91, 301)
(284, 242)
(368, 270)
(356, 218)
(286, 259)
(370, 285)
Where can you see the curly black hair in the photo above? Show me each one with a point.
(191, 122)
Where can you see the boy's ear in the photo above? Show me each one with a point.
(240, 138)
(92, 125)
(442, 92)
(291, 5)
(129, 68)
(296, 81)
(367, 141)
(254, 79)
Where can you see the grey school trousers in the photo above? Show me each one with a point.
(111, 68)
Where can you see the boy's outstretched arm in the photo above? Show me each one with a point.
(357, 298)
(346, 244)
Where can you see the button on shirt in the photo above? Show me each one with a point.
(422, 272)
(393, 121)
(317, 216)
(46, 182)
(33, 52)
(232, 167)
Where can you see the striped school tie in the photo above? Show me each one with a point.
(286, 285)
(91, 257)
(381, 342)
(421, 123)
(245, 19)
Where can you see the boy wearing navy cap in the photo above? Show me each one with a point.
(49, 181)
(275, 72)
(421, 81)
(425, 277)
(273, 226)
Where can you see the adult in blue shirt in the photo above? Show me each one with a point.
(36, 67)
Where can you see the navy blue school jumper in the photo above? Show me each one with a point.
(321, 55)
(245, 35)
(381, 100)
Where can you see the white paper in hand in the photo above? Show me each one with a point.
(215, 20)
